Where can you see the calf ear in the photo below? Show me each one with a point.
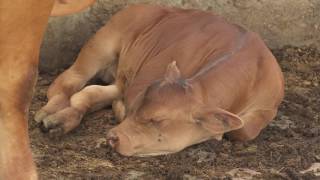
(173, 73)
(219, 121)
(137, 102)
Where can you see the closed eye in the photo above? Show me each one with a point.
(156, 121)
(150, 120)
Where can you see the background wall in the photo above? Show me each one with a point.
(279, 22)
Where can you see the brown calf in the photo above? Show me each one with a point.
(177, 77)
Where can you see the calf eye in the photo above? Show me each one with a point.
(197, 121)
(155, 121)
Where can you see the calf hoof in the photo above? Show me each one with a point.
(52, 127)
(242, 136)
(40, 115)
(61, 122)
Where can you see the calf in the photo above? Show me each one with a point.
(177, 77)
(22, 25)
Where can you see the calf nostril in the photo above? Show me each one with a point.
(112, 139)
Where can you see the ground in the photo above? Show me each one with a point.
(286, 147)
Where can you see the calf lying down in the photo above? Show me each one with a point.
(176, 78)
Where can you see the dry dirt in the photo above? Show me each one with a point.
(287, 146)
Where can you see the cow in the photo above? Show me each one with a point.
(22, 26)
(174, 77)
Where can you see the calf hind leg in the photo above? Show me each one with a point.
(91, 97)
(254, 122)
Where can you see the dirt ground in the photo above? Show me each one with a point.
(287, 146)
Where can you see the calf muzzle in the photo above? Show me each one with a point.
(112, 139)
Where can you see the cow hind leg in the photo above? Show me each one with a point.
(254, 122)
(22, 26)
(92, 97)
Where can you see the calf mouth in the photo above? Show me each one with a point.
(153, 154)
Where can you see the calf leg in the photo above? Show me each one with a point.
(91, 97)
(59, 93)
(97, 55)
(254, 122)
(119, 109)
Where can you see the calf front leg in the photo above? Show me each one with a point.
(92, 97)
(98, 54)
(60, 91)
(119, 109)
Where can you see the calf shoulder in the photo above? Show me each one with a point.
(133, 19)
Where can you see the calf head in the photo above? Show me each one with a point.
(167, 117)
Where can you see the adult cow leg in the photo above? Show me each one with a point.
(15, 155)
(20, 37)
